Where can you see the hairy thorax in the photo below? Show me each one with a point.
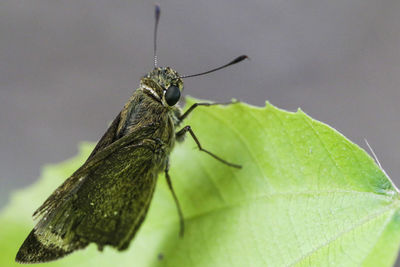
(153, 122)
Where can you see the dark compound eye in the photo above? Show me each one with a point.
(172, 95)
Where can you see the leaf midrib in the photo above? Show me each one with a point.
(288, 195)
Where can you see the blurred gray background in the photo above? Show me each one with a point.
(67, 68)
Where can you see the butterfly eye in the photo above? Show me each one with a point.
(172, 95)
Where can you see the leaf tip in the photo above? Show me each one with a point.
(300, 111)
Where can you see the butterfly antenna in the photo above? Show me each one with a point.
(157, 12)
(236, 60)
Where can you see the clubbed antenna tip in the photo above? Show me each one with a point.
(236, 60)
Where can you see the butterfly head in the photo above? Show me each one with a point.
(164, 84)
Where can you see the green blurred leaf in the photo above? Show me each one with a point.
(306, 196)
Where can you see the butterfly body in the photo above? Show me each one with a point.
(106, 200)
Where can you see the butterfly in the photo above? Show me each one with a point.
(106, 200)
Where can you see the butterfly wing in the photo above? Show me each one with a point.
(90, 211)
(104, 201)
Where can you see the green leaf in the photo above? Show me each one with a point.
(306, 196)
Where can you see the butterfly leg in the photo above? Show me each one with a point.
(186, 129)
(178, 206)
(195, 105)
